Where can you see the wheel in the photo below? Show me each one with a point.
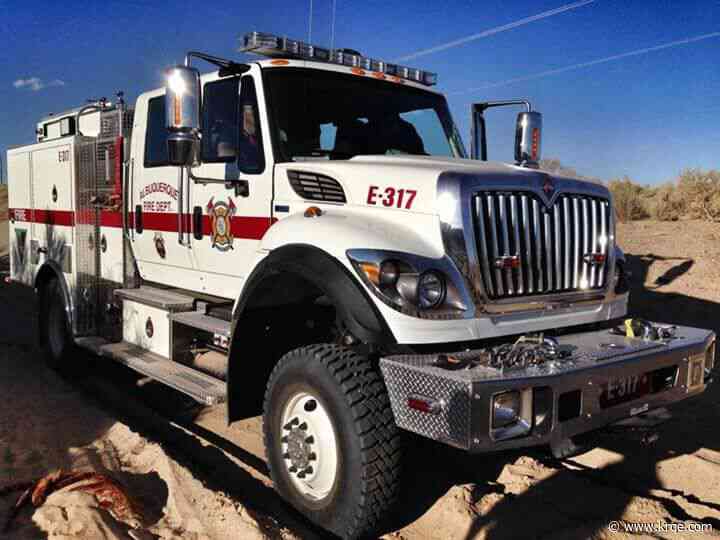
(55, 334)
(331, 441)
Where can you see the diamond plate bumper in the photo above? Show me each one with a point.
(568, 397)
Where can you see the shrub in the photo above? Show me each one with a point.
(629, 199)
(700, 191)
(666, 203)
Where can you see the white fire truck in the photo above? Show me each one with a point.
(304, 235)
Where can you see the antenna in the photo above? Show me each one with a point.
(332, 26)
(310, 15)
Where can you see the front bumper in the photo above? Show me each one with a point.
(562, 399)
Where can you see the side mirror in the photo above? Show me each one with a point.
(528, 132)
(182, 114)
(528, 138)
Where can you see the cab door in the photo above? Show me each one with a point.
(232, 192)
(157, 198)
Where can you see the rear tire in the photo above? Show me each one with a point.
(56, 339)
(331, 441)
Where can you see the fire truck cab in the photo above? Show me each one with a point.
(304, 235)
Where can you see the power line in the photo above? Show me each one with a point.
(581, 65)
(496, 30)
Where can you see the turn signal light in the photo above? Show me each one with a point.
(424, 404)
(313, 211)
(371, 271)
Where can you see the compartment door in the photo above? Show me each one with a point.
(20, 213)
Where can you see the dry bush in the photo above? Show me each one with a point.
(700, 192)
(666, 203)
(630, 199)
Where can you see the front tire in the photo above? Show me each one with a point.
(55, 336)
(331, 441)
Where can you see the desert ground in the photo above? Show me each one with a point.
(192, 477)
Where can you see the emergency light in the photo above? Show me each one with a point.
(282, 47)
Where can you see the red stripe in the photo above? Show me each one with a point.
(111, 219)
(243, 227)
(251, 228)
(48, 217)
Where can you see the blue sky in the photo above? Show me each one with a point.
(646, 116)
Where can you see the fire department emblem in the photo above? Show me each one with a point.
(221, 214)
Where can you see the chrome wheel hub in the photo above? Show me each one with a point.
(309, 446)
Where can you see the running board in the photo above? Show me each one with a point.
(165, 299)
(198, 319)
(203, 388)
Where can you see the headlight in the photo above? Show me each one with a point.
(430, 290)
(511, 414)
(506, 409)
(411, 284)
(389, 273)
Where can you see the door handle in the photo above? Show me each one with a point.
(197, 223)
(242, 188)
(138, 219)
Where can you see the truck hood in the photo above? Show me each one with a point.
(408, 183)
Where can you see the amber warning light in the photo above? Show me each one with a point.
(535, 144)
(281, 47)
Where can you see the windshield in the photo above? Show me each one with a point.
(327, 115)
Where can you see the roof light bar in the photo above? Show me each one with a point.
(282, 47)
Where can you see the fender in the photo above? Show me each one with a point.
(355, 308)
(48, 270)
(339, 229)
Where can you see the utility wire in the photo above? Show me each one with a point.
(581, 65)
(496, 30)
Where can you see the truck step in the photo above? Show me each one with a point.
(199, 386)
(198, 319)
(166, 299)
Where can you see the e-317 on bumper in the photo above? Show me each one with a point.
(599, 378)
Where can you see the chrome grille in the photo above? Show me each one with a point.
(553, 249)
